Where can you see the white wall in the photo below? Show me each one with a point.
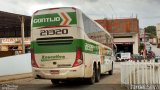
(18, 64)
(158, 32)
(135, 45)
(123, 40)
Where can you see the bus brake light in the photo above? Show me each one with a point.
(33, 61)
(79, 58)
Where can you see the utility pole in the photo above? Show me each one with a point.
(105, 27)
(22, 33)
(144, 52)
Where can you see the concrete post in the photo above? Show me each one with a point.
(22, 34)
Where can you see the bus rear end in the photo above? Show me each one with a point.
(56, 50)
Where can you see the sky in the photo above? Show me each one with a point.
(147, 11)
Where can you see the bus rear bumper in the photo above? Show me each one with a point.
(59, 73)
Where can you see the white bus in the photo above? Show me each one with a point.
(66, 44)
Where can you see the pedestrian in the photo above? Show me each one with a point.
(141, 52)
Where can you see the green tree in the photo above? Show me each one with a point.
(141, 47)
(151, 30)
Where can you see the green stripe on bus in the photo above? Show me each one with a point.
(87, 47)
(73, 18)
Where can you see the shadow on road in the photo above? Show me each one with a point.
(103, 76)
(75, 85)
(71, 86)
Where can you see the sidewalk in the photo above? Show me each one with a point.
(10, 78)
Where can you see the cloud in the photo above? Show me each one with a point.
(146, 10)
(92, 0)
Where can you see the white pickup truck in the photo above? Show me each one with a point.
(123, 56)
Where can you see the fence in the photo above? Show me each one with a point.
(140, 75)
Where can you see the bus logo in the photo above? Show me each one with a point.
(49, 58)
(43, 20)
(89, 47)
(55, 19)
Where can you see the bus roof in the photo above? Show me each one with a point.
(55, 9)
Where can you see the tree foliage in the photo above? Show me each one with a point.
(141, 47)
(151, 30)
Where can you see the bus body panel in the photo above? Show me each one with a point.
(59, 73)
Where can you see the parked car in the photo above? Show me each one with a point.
(157, 58)
(136, 57)
(150, 54)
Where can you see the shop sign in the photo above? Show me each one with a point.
(13, 40)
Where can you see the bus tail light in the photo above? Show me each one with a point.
(79, 58)
(33, 61)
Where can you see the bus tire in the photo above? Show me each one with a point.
(111, 71)
(98, 73)
(91, 80)
(55, 81)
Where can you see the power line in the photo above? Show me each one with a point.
(112, 9)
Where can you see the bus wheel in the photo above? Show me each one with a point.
(91, 80)
(98, 74)
(55, 81)
(111, 71)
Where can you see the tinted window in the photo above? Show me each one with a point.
(94, 32)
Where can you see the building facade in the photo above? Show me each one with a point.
(125, 33)
(144, 37)
(158, 34)
(10, 33)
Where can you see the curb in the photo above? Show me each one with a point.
(10, 78)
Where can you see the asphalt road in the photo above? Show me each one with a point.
(107, 82)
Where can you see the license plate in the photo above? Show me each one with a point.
(54, 71)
